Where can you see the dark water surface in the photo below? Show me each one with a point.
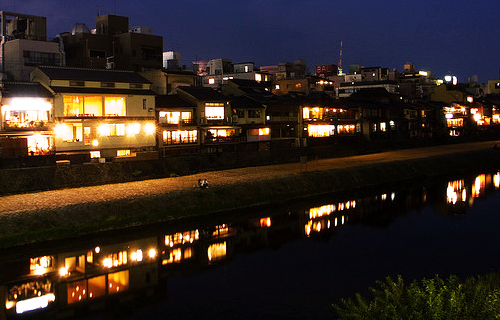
(288, 262)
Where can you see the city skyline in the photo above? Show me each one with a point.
(444, 38)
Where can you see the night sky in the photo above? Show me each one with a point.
(458, 37)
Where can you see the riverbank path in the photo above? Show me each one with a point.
(12, 204)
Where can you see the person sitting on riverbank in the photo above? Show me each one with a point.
(202, 184)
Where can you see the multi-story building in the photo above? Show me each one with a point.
(26, 119)
(113, 45)
(177, 126)
(24, 45)
(213, 115)
(100, 113)
(219, 71)
(165, 81)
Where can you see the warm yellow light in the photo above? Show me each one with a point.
(63, 272)
(95, 143)
(61, 130)
(264, 131)
(265, 222)
(9, 304)
(149, 128)
(152, 253)
(133, 129)
(28, 104)
(108, 262)
(104, 129)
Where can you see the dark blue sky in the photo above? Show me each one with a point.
(459, 37)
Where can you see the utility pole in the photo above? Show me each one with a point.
(340, 59)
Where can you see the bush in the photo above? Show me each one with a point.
(476, 298)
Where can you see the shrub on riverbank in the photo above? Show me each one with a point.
(475, 298)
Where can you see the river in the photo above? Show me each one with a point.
(286, 262)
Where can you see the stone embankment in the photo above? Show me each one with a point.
(59, 214)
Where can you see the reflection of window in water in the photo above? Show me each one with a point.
(182, 237)
(30, 295)
(216, 251)
(265, 222)
(173, 256)
(456, 191)
(41, 265)
(222, 230)
(479, 185)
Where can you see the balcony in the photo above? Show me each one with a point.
(25, 125)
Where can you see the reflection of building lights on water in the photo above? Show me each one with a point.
(479, 184)
(454, 189)
(182, 237)
(265, 222)
(34, 303)
(216, 251)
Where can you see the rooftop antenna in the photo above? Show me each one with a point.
(340, 59)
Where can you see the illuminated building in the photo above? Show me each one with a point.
(26, 119)
(100, 113)
(212, 113)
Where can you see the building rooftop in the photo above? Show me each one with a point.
(81, 74)
(11, 89)
(203, 93)
(171, 101)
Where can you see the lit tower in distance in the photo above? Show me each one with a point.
(340, 60)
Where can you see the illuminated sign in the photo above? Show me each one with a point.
(326, 69)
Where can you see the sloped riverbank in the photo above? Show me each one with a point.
(176, 198)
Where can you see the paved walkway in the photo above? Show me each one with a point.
(65, 197)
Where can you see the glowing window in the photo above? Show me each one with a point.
(73, 106)
(112, 129)
(39, 144)
(76, 291)
(95, 154)
(321, 130)
(122, 153)
(211, 81)
(70, 132)
(96, 287)
(258, 77)
(180, 136)
(93, 106)
(346, 129)
(214, 111)
(118, 282)
(115, 106)
(174, 117)
(264, 131)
